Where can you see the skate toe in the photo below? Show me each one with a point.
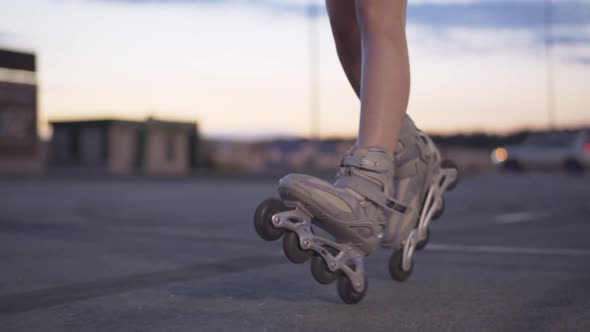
(294, 187)
(319, 196)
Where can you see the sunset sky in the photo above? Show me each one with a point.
(241, 67)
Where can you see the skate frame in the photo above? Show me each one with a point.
(432, 203)
(299, 221)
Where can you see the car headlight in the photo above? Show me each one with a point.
(499, 155)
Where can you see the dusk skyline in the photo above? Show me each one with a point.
(240, 68)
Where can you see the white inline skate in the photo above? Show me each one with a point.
(369, 204)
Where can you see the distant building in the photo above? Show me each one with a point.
(20, 149)
(237, 156)
(125, 147)
(279, 155)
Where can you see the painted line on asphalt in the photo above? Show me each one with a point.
(507, 250)
(518, 217)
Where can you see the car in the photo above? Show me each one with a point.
(569, 150)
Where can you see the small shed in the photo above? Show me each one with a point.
(119, 147)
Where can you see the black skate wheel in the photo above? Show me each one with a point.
(292, 249)
(396, 269)
(447, 163)
(263, 219)
(441, 209)
(320, 271)
(347, 293)
(422, 244)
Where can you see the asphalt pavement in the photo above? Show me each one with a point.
(510, 253)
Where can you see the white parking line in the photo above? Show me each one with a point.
(507, 250)
(518, 217)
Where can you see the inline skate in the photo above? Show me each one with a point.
(377, 199)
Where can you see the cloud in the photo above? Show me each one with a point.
(582, 60)
(570, 19)
(569, 40)
(498, 14)
(515, 25)
(436, 14)
(433, 13)
(292, 7)
(3, 37)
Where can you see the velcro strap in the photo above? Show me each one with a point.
(364, 189)
(363, 163)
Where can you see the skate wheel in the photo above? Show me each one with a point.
(447, 163)
(347, 293)
(320, 271)
(396, 269)
(263, 219)
(292, 249)
(422, 244)
(441, 209)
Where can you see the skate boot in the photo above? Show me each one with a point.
(421, 179)
(354, 211)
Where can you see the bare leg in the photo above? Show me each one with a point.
(347, 37)
(384, 71)
(385, 79)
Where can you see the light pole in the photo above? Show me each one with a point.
(549, 65)
(314, 86)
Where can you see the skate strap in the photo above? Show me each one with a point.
(409, 169)
(361, 186)
(364, 163)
